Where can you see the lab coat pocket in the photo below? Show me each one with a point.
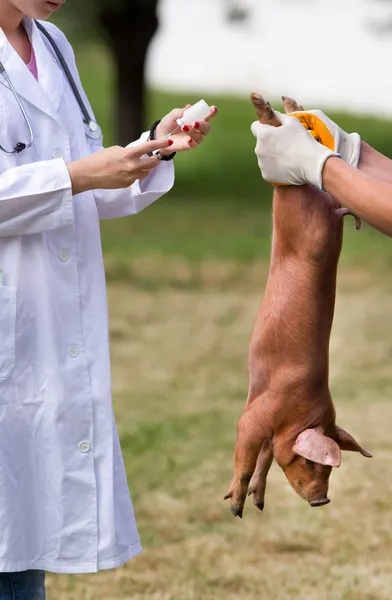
(7, 330)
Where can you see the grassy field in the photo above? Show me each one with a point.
(179, 377)
(186, 278)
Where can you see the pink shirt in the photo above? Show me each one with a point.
(32, 66)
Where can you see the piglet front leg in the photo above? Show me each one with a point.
(258, 483)
(253, 459)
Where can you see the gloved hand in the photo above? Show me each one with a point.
(325, 131)
(289, 155)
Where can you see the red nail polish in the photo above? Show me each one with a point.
(170, 142)
(185, 128)
(191, 140)
(196, 125)
(215, 109)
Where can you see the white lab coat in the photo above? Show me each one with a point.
(64, 500)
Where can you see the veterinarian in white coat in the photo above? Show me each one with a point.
(64, 500)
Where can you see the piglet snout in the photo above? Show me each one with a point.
(320, 502)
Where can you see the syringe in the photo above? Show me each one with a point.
(197, 112)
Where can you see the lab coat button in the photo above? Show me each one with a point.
(73, 351)
(84, 447)
(58, 153)
(63, 255)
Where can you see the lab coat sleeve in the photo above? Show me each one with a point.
(118, 203)
(35, 198)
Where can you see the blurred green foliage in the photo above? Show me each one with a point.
(80, 20)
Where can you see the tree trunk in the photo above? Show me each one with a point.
(130, 30)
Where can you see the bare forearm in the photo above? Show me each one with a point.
(363, 193)
(375, 164)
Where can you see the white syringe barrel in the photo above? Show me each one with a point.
(197, 112)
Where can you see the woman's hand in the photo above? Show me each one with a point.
(189, 137)
(116, 167)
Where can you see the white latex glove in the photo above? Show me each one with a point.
(289, 155)
(325, 131)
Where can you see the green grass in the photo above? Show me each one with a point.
(179, 381)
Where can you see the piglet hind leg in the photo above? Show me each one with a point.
(258, 483)
(291, 105)
(264, 111)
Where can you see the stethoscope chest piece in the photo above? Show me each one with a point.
(92, 130)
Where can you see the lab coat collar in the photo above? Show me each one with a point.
(46, 93)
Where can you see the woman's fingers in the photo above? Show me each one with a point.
(191, 135)
(148, 147)
(197, 132)
(193, 132)
(147, 163)
(213, 113)
(145, 167)
(143, 173)
(191, 143)
(204, 127)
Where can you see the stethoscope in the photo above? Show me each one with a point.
(92, 128)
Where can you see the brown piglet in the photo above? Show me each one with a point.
(289, 415)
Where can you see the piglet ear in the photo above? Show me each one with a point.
(317, 447)
(347, 442)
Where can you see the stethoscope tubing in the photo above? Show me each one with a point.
(3, 72)
(83, 108)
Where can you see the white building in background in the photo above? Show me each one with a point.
(323, 52)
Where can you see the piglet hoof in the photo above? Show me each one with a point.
(343, 212)
(264, 111)
(237, 497)
(236, 510)
(291, 105)
(258, 496)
